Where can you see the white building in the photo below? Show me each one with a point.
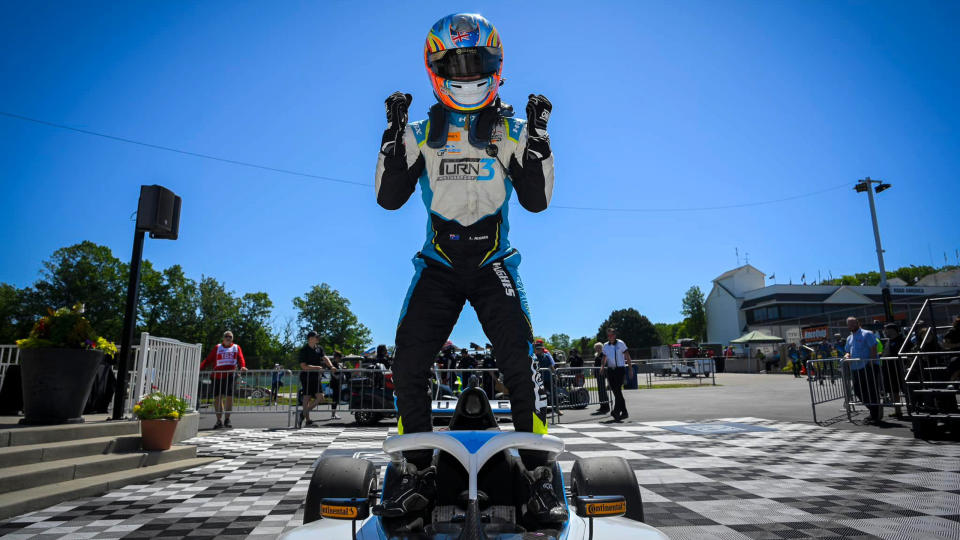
(725, 319)
(740, 302)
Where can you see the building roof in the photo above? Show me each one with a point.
(836, 294)
(942, 278)
(736, 270)
(847, 295)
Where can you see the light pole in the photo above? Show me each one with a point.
(865, 185)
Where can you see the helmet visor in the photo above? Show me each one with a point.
(465, 63)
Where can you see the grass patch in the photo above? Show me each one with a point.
(677, 385)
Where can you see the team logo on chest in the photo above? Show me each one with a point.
(478, 169)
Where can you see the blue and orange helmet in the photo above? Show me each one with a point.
(464, 58)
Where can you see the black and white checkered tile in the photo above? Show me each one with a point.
(798, 481)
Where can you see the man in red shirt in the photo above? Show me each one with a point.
(224, 360)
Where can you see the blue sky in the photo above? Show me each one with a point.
(657, 105)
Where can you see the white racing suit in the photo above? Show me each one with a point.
(466, 180)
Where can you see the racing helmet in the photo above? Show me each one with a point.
(464, 57)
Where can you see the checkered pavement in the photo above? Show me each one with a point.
(796, 481)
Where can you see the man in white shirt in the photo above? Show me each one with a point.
(616, 360)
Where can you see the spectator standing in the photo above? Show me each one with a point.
(576, 362)
(574, 359)
(489, 377)
(895, 372)
(447, 361)
(774, 361)
(336, 382)
(312, 363)
(383, 356)
(806, 353)
(276, 381)
(465, 362)
(839, 345)
(617, 359)
(224, 360)
(951, 342)
(598, 363)
(861, 349)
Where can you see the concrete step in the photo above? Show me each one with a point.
(24, 435)
(34, 498)
(11, 456)
(31, 475)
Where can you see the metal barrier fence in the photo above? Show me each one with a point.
(9, 356)
(164, 365)
(862, 384)
(369, 393)
(827, 384)
(699, 370)
(874, 385)
(251, 391)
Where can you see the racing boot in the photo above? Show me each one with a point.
(412, 492)
(544, 506)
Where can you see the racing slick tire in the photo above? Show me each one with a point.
(338, 477)
(366, 418)
(608, 476)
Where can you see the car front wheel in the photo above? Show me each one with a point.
(338, 477)
(607, 476)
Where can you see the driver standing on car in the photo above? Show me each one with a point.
(468, 158)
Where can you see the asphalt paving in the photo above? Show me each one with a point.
(779, 397)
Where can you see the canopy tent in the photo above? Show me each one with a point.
(756, 337)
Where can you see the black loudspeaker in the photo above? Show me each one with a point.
(174, 231)
(158, 212)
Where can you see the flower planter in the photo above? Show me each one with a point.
(157, 434)
(56, 384)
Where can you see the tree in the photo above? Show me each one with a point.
(219, 311)
(89, 274)
(670, 332)
(696, 313)
(560, 341)
(171, 304)
(633, 328)
(17, 314)
(252, 330)
(584, 345)
(325, 311)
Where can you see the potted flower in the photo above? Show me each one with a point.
(159, 415)
(58, 363)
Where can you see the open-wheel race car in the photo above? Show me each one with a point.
(480, 492)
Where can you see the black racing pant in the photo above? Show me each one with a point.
(432, 307)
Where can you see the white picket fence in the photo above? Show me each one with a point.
(9, 356)
(164, 365)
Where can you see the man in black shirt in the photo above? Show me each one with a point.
(312, 364)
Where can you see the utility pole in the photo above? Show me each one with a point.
(867, 185)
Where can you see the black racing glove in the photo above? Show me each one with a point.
(397, 105)
(538, 114)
